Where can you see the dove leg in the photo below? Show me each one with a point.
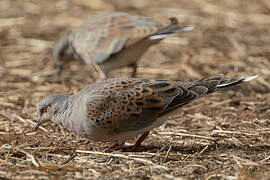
(137, 143)
(59, 66)
(96, 67)
(141, 139)
(99, 70)
(120, 145)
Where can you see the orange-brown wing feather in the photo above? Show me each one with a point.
(132, 104)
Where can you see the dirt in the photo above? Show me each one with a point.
(225, 135)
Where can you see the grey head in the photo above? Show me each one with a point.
(49, 108)
(63, 52)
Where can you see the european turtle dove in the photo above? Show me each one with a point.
(113, 40)
(120, 109)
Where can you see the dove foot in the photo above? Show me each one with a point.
(138, 143)
(118, 146)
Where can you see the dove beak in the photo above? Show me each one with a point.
(38, 123)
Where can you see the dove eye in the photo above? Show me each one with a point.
(44, 109)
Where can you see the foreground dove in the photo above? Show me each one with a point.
(120, 109)
(113, 40)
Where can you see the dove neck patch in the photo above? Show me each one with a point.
(63, 108)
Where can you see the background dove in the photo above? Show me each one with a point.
(113, 40)
(120, 109)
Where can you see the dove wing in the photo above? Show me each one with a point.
(135, 104)
(108, 34)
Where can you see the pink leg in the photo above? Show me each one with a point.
(120, 145)
(137, 143)
(141, 139)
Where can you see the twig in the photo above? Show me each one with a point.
(7, 104)
(110, 161)
(218, 176)
(12, 21)
(147, 155)
(49, 148)
(31, 156)
(9, 116)
(186, 135)
(71, 157)
(265, 159)
(244, 162)
(220, 103)
(206, 147)
(122, 156)
(33, 159)
(198, 116)
(196, 165)
(5, 162)
(264, 82)
(19, 118)
(234, 132)
(167, 153)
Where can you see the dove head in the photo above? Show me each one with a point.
(48, 108)
(63, 52)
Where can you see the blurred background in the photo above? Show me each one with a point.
(231, 37)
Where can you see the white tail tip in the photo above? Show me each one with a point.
(250, 78)
(188, 28)
(161, 36)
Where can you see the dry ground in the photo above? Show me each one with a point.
(225, 135)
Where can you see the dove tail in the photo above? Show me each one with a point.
(173, 27)
(196, 89)
(170, 30)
